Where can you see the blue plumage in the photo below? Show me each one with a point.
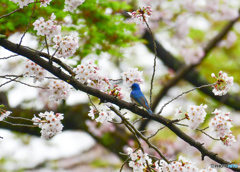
(138, 98)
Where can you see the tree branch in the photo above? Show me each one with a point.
(122, 104)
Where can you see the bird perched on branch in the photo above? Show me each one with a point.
(138, 98)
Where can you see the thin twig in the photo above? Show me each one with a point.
(4, 76)
(176, 120)
(204, 128)
(115, 80)
(134, 133)
(185, 92)
(26, 84)
(139, 119)
(5, 15)
(156, 132)
(8, 81)
(4, 58)
(34, 7)
(46, 44)
(54, 53)
(92, 103)
(124, 164)
(154, 157)
(22, 125)
(154, 66)
(201, 130)
(132, 128)
(13, 117)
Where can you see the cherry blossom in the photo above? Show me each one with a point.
(22, 3)
(132, 76)
(182, 164)
(138, 160)
(223, 84)
(72, 4)
(59, 90)
(91, 75)
(31, 69)
(220, 124)
(45, 3)
(115, 91)
(49, 123)
(65, 46)
(178, 111)
(4, 114)
(48, 28)
(141, 15)
(196, 115)
(103, 115)
(228, 140)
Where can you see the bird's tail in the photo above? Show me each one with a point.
(150, 111)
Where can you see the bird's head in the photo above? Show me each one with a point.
(135, 86)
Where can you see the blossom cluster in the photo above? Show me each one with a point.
(65, 46)
(223, 84)
(196, 115)
(182, 164)
(91, 75)
(59, 90)
(220, 126)
(23, 3)
(138, 163)
(31, 69)
(104, 114)
(132, 76)
(48, 28)
(141, 15)
(228, 140)
(115, 91)
(139, 160)
(72, 4)
(49, 123)
(4, 114)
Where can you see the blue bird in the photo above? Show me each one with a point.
(138, 98)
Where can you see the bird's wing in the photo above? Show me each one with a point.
(138, 98)
(144, 102)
